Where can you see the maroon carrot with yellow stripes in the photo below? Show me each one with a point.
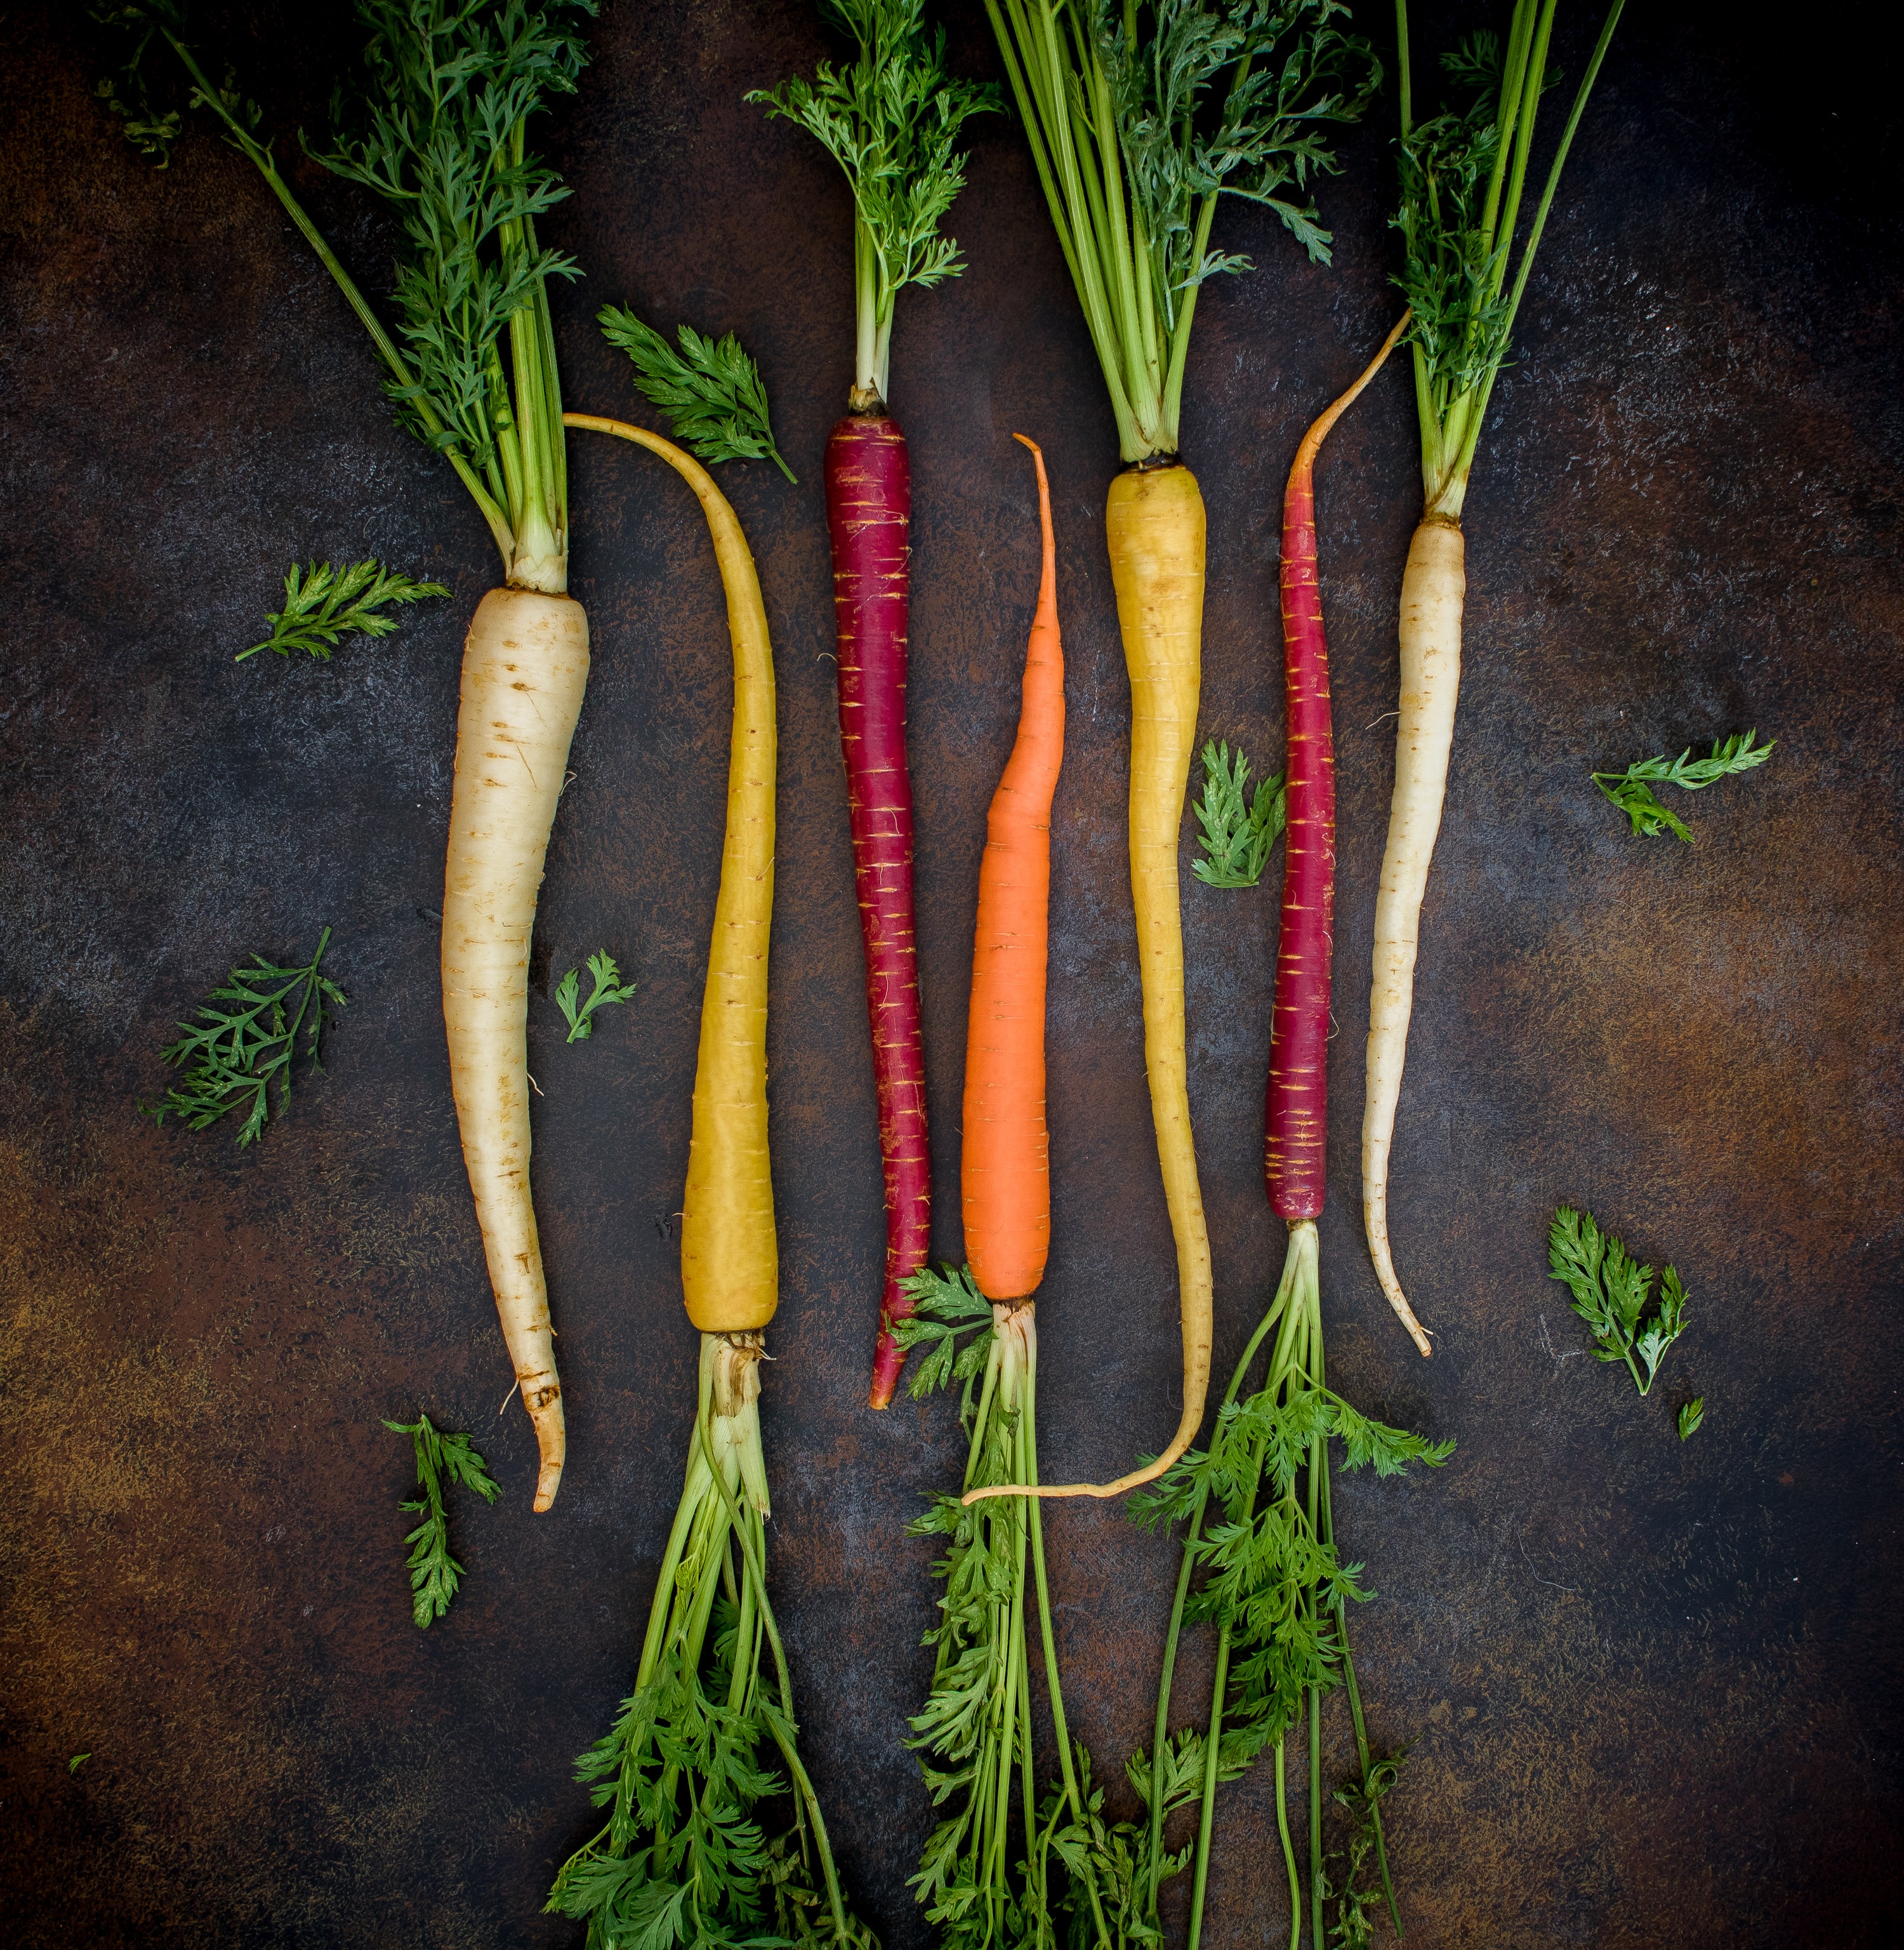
(1296, 1111)
(868, 512)
(889, 119)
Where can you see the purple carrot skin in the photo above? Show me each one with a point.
(868, 512)
(1296, 1109)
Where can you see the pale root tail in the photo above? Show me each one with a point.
(1434, 586)
(525, 664)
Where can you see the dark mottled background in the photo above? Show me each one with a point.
(1650, 1687)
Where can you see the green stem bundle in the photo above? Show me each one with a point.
(890, 119)
(1462, 176)
(682, 1858)
(974, 1730)
(1114, 97)
(1272, 1583)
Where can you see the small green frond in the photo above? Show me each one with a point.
(1237, 835)
(1611, 1292)
(322, 604)
(1631, 790)
(434, 1575)
(1691, 1415)
(605, 986)
(710, 390)
(244, 1042)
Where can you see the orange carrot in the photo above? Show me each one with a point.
(979, 1718)
(1005, 1179)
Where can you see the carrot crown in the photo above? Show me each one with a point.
(1462, 177)
(1140, 117)
(890, 120)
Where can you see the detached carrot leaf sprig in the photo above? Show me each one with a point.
(244, 1042)
(1631, 790)
(322, 604)
(604, 985)
(710, 389)
(1238, 833)
(441, 1459)
(1611, 1294)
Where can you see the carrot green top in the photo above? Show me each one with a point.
(890, 121)
(1462, 177)
(1120, 102)
(436, 122)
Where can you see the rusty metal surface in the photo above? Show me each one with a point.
(1651, 1686)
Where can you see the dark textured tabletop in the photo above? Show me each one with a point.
(1651, 1687)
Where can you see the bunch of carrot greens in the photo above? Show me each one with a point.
(436, 122)
(1463, 174)
(1140, 119)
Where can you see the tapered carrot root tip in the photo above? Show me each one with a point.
(1375, 1225)
(888, 1358)
(551, 1439)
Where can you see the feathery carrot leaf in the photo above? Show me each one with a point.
(243, 1043)
(440, 1458)
(1237, 834)
(604, 985)
(710, 390)
(323, 604)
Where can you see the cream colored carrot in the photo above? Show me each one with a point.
(525, 663)
(1434, 586)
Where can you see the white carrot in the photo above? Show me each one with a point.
(445, 104)
(525, 663)
(1462, 176)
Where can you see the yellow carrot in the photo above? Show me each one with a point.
(730, 1261)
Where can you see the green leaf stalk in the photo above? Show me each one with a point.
(1261, 1564)
(683, 1858)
